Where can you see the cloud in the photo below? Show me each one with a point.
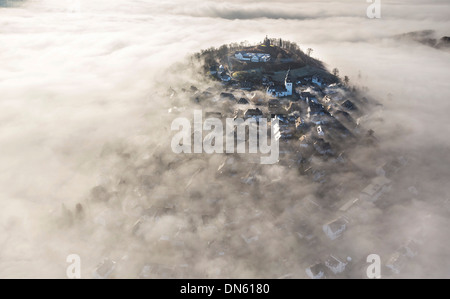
(84, 103)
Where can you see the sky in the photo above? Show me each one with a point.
(82, 79)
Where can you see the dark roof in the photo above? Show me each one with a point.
(256, 111)
(315, 107)
(278, 88)
(227, 95)
(274, 102)
(243, 101)
(349, 105)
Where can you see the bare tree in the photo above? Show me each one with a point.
(335, 72)
(346, 80)
(309, 52)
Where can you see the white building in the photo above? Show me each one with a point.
(335, 264)
(373, 191)
(396, 262)
(335, 228)
(316, 271)
(253, 57)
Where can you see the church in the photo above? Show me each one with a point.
(279, 91)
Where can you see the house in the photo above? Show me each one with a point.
(410, 249)
(292, 116)
(375, 189)
(323, 147)
(305, 141)
(246, 85)
(335, 264)
(399, 258)
(345, 118)
(304, 95)
(335, 228)
(349, 105)
(278, 91)
(349, 204)
(226, 95)
(320, 131)
(391, 168)
(252, 57)
(242, 55)
(225, 77)
(304, 231)
(316, 271)
(317, 80)
(253, 113)
(299, 123)
(243, 101)
(157, 271)
(315, 108)
(104, 269)
(396, 262)
(274, 104)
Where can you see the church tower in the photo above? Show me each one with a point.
(288, 83)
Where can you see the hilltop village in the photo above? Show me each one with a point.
(320, 121)
(315, 213)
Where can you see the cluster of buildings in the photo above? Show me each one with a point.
(314, 117)
(251, 57)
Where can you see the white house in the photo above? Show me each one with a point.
(316, 271)
(335, 228)
(410, 249)
(396, 262)
(253, 57)
(335, 264)
(373, 191)
(104, 269)
(243, 56)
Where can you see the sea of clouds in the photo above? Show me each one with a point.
(81, 78)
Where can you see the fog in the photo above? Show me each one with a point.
(84, 102)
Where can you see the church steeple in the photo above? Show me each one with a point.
(288, 76)
(288, 82)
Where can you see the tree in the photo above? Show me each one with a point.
(267, 41)
(335, 72)
(281, 43)
(309, 51)
(346, 80)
